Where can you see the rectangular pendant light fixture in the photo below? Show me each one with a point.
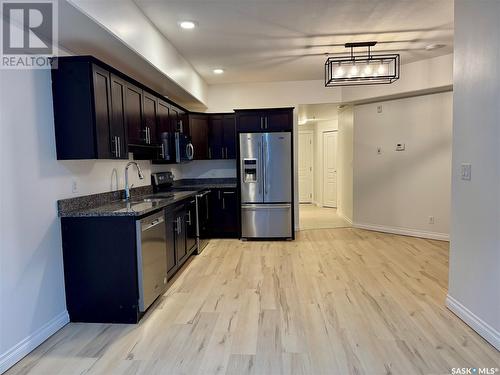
(361, 69)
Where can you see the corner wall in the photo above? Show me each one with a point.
(32, 299)
(474, 281)
(397, 191)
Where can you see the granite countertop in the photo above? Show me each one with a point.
(137, 206)
(142, 201)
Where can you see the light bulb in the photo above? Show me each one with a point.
(354, 71)
(381, 69)
(368, 69)
(339, 72)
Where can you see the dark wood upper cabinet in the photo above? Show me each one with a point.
(264, 120)
(134, 114)
(229, 136)
(222, 142)
(216, 132)
(100, 113)
(102, 101)
(164, 125)
(83, 114)
(198, 130)
(150, 108)
(118, 128)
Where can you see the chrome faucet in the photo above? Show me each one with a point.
(139, 172)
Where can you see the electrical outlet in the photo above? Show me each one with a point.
(74, 186)
(466, 171)
(379, 150)
(400, 147)
(431, 219)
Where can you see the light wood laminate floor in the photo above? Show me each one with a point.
(314, 217)
(340, 301)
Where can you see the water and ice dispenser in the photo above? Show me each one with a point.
(249, 170)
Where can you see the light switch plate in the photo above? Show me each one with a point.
(379, 109)
(466, 171)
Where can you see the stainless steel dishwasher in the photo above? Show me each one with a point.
(151, 258)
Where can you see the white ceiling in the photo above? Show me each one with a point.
(275, 40)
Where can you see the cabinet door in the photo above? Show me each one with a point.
(215, 211)
(216, 137)
(191, 225)
(229, 137)
(171, 235)
(133, 115)
(180, 234)
(249, 122)
(278, 121)
(150, 109)
(229, 213)
(198, 129)
(163, 118)
(174, 119)
(117, 131)
(102, 103)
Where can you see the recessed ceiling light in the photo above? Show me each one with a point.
(432, 46)
(188, 25)
(218, 71)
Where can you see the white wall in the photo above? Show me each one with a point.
(398, 191)
(422, 75)
(201, 169)
(31, 276)
(345, 162)
(125, 20)
(474, 283)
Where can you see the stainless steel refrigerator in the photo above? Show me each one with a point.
(266, 185)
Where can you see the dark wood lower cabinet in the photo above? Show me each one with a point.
(101, 268)
(224, 212)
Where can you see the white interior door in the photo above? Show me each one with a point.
(305, 167)
(330, 169)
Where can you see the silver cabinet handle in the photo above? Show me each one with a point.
(266, 122)
(222, 152)
(162, 151)
(209, 152)
(149, 135)
(119, 147)
(262, 122)
(228, 192)
(189, 218)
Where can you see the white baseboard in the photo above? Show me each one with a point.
(404, 231)
(482, 328)
(24, 347)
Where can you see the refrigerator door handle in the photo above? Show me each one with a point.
(260, 169)
(266, 206)
(264, 163)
